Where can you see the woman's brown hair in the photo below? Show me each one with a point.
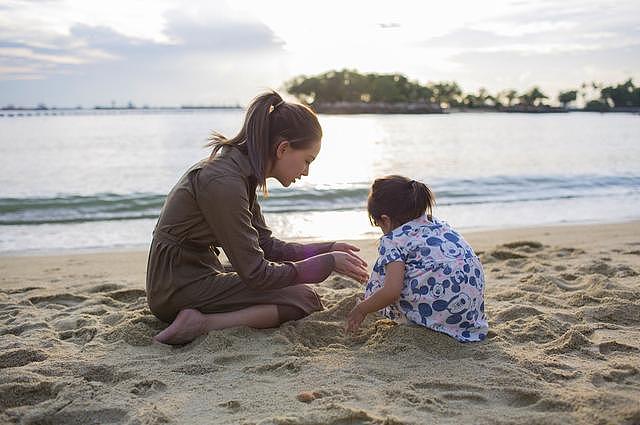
(268, 121)
(399, 198)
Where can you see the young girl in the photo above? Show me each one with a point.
(427, 274)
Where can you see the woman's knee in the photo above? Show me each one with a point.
(287, 313)
(307, 298)
(162, 311)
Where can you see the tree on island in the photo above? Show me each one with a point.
(533, 97)
(567, 97)
(351, 86)
(622, 95)
(482, 99)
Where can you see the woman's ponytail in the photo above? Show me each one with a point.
(268, 120)
(257, 132)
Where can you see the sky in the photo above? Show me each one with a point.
(69, 53)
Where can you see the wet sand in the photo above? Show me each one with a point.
(564, 346)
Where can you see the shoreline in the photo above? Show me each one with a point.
(130, 264)
(347, 110)
(467, 232)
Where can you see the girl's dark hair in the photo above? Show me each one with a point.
(399, 198)
(268, 121)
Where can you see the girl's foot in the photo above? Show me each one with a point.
(187, 326)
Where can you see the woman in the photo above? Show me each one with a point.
(214, 205)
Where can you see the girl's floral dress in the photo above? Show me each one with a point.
(443, 281)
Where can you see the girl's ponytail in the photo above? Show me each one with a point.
(423, 198)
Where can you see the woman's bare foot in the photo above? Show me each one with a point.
(187, 326)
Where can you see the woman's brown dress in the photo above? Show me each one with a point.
(214, 205)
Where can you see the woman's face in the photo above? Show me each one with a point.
(291, 164)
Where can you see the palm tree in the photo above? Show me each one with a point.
(510, 95)
(533, 97)
(567, 97)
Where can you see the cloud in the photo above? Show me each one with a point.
(545, 43)
(95, 64)
(543, 29)
(553, 71)
(221, 35)
(170, 52)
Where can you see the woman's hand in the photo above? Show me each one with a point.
(350, 265)
(347, 247)
(354, 319)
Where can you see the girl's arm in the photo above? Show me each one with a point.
(384, 297)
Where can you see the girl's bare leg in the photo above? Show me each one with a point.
(190, 323)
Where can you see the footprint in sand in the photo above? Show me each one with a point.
(21, 290)
(24, 327)
(516, 397)
(421, 400)
(620, 374)
(601, 267)
(194, 369)
(127, 295)
(504, 254)
(614, 346)
(475, 394)
(563, 284)
(292, 366)
(79, 336)
(568, 252)
(439, 394)
(65, 299)
(148, 387)
(553, 371)
(20, 357)
(527, 246)
(67, 414)
(619, 312)
(97, 373)
(25, 394)
(568, 276)
(105, 287)
(233, 358)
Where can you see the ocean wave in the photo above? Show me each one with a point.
(499, 189)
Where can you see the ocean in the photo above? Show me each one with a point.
(97, 181)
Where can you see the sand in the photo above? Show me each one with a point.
(564, 347)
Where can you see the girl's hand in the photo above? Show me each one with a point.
(350, 265)
(347, 247)
(354, 319)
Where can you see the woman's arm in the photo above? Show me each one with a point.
(224, 202)
(384, 297)
(278, 250)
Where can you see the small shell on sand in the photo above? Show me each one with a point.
(308, 396)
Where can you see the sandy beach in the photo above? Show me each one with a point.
(564, 347)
